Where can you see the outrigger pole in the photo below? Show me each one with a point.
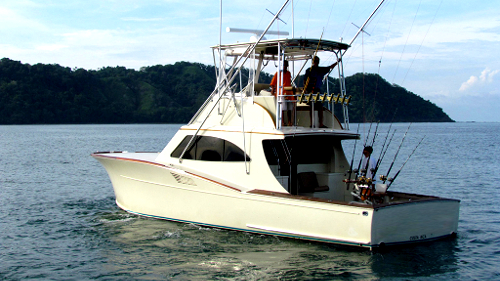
(220, 88)
(340, 67)
(362, 27)
(366, 22)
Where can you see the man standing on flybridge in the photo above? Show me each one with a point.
(313, 82)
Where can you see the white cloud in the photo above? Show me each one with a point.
(486, 78)
(471, 82)
(12, 22)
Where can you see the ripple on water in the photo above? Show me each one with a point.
(59, 219)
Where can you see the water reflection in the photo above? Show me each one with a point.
(422, 260)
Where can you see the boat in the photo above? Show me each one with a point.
(238, 166)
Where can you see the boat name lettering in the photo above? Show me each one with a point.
(416, 237)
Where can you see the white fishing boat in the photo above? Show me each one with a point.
(236, 166)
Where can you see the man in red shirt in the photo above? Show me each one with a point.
(287, 101)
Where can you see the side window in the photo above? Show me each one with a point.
(233, 153)
(190, 153)
(210, 149)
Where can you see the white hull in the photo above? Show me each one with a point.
(152, 189)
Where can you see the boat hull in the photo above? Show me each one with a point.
(162, 191)
(412, 222)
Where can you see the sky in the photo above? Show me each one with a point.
(444, 51)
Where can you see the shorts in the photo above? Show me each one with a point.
(286, 104)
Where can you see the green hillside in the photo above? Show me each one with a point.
(52, 94)
(375, 99)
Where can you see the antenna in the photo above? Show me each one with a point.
(275, 15)
(361, 29)
(257, 33)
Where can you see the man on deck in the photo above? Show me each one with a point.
(313, 80)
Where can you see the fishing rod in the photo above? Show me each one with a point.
(396, 155)
(371, 145)
(352, 159)
(383, 152)
(385, 141)
(364, 145)
(368, 135)
(395, 176)
(375, 134)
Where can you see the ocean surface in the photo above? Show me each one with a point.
(59, 221)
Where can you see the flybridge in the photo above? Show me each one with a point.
(255, 56)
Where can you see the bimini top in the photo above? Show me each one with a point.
(303, 46)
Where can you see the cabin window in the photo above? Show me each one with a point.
(301, 150)
(312, 149)
(210, 149)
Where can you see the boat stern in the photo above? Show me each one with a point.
(415, 221)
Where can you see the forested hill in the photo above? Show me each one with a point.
(52, 94)
(375, 99)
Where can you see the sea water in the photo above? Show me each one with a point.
(59, 221)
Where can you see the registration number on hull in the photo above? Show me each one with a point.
(418, 237)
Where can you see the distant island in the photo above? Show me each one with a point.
(52, 94)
